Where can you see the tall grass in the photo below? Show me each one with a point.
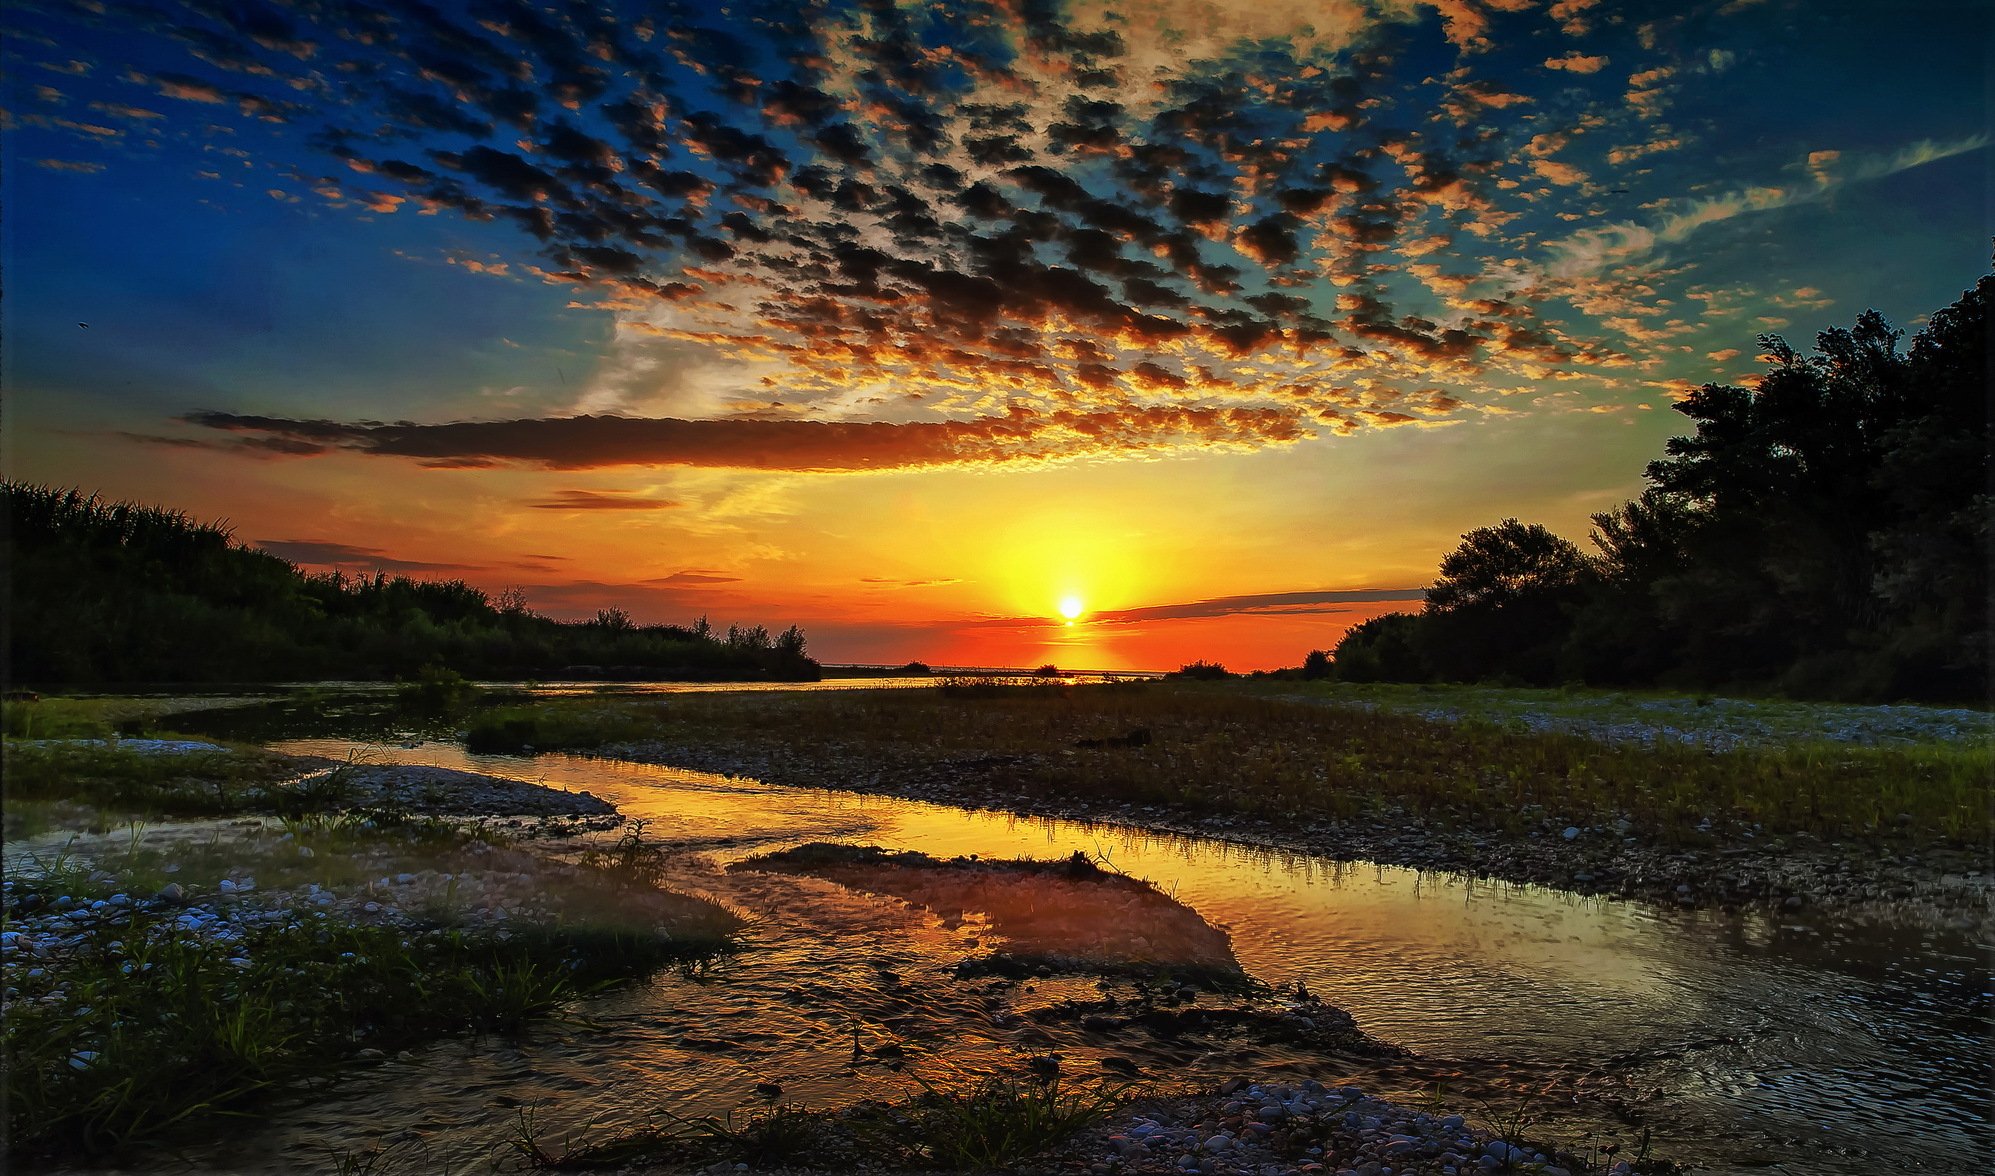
(107, 775)
(989, 1124)
(137, 1026)
(1223, 751)
(996, 1122)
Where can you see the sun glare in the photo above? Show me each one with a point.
(1070, 608)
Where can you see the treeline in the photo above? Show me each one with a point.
(1823, 534)
(115, 592)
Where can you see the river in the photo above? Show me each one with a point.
(1761, 1041)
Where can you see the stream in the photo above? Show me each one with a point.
(1766, 1042)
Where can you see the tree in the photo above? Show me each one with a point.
(1502, 603)
(1387, 648)
(1508, 564)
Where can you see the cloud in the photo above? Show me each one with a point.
(1257, 604)
(883, 235)
(590, 442)
(696, 576)
(882, 582)
(1576, 62)
(322, 554)
(600, 500)
(1596, 249)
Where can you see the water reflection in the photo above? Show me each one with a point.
(1739, 1038)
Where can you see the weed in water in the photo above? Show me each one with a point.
(999, 1121)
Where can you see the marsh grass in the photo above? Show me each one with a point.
(142, 1028)
(108, 776)
(988, 1124)
(997, 1121)
(137, 1027)
(57, 718)
(1218, 749)
(566, 724)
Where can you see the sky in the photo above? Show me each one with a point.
(918, 324)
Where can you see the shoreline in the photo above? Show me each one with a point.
(1944, 886)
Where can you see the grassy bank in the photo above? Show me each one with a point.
(155, 980)
(1224, 750)
(979, 1126)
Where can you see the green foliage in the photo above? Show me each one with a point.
(53, 718)
(141, 1027)
(566, 724)
(107, 775)
(118, 592)
(992, 1124)
(1824, 534)
(102, 1062)
(1230, 751)
(436, 690)
(1389, 648)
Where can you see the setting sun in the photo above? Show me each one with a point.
(1070, 608)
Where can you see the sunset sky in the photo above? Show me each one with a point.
(908, 322)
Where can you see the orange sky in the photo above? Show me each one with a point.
(904, 322)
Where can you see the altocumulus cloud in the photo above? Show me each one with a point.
(985, 231)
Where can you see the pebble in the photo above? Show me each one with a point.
(1345, 1131)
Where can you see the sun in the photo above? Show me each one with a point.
(1071, 608)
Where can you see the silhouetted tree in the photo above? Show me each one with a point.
(1389, 648)
(103, 592)
(1501, 604)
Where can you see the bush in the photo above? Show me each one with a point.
(1390, 648)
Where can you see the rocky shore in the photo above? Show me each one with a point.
(1734, 868)
(1255, 1129)
(418, 788)
(1249, 1128)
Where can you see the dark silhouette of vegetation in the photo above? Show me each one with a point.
(103, 592)
(1201, 669)
(1824, 534)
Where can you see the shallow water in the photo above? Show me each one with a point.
(1740, 1041)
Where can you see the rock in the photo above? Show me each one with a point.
(173, 892)
(1571, 833)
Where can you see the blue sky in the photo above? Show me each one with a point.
(561, 264)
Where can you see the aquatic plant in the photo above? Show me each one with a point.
(998, 1121)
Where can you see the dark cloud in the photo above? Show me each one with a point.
(588, 442)
(321, 554)
(1260, 604)
(915, 198)
(696, 576)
